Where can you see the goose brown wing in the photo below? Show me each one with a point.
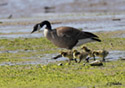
(74, 33)
(83, 35)
(67, 32)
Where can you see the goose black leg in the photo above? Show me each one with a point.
(56, 57)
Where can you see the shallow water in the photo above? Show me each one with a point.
(35, 35)
(115, 55)
(15, 29)
(16, 51)
(88, 22)
(86, 26)
(45, 59)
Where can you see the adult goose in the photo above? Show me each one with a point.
(65, 37)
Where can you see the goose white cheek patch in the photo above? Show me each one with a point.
(39, 27)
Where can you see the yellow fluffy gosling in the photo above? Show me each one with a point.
(101, 53)
(69, 55)
(80, 55)
(89, 51)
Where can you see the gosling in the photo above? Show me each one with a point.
(89, 51)
(80, 55)
(98, 53)
(69, 55)
(101, 53)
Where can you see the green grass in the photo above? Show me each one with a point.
(25, 43)
(111, 75)
(5, 59)
(110, 41)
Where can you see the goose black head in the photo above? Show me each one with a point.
(36, 28)
(96, 53)
(40, 25)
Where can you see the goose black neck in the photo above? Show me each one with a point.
(47, 23)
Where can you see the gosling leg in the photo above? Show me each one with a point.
(87, 59)
(75, 60)
(94, 57)
(80, 60)
(69, 62)
(103, 59)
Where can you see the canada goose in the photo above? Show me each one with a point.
(80, 55)
(65, 37)
(101, 53)
(69, 55)
(89, 51)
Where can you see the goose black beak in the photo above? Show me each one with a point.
(32, 31)
(35, 28)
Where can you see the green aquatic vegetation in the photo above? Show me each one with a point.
(14, 60)
(110, 41)
(111, 75)
(24, 55)
(25, 43)
(109, 44)
(24, 47)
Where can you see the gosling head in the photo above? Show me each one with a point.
(74, 51)
(96, 53)
(64, 54)
(85, 49)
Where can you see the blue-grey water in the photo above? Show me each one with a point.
(45, 59)
(88, 22)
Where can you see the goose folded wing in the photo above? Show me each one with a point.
(67, 32)
(83, 35)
